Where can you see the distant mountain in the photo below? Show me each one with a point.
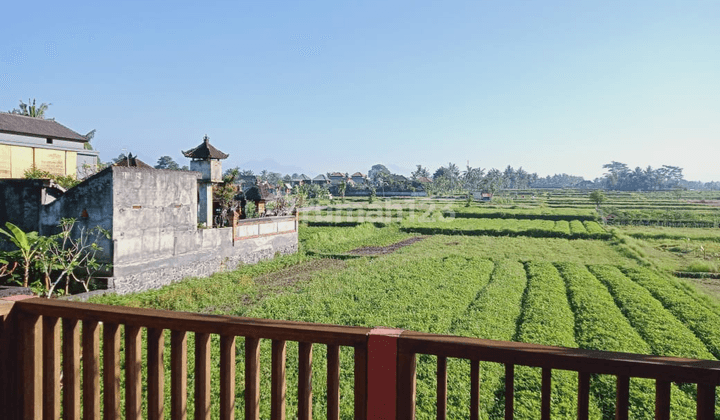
(272, 166)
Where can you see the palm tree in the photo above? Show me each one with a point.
(454, 174)
(31, 110)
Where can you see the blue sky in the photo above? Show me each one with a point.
(551, 86)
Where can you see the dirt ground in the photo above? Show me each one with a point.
(382, 250)
(713, 203)
(711, 286)
(288, 280)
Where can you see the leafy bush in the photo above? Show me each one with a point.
(65, 181)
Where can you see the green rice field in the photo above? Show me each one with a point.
(536, 266)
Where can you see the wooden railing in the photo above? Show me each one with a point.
(664, 370)
(41, 341)
(39, 346)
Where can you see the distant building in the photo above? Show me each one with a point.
(302, 179)
(27, 142)
(358, 178)
(337, 177)
(321, 180)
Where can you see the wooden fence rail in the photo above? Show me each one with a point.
(46, 344)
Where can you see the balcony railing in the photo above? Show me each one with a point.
(41, 343)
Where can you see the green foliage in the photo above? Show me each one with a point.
(65, 181)
(60, 257)
(251, 210)
(27, 245)
(546, 319)
(494, 314)
(600, 325)
(702, 321)
(597, 197)
(446, 284)
(31, 110)
(658, 327)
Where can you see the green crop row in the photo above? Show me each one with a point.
(399, 291)
(594, 228)
(600, 325)
(702, 321)
(492, 315)
(524, 213)
(503, 227)
(661, 330)
(547, 319)
(577, 228)
(562, 226)
(334, 240)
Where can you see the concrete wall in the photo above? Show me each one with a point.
(20, 201)
(213, 251)
(211, 170)
(90, 203)
(154, 214)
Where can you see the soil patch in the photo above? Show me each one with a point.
(711, 286)
(286, 280)
(713, 203)
(382, 250)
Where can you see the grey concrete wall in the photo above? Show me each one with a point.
(90, 203)
(215, 253)
(154, 214)
(20, 201)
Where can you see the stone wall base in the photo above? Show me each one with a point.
(202, 264)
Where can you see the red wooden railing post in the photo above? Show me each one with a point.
(382, 361)
(9, 384)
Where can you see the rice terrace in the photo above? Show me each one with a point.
(638, 274)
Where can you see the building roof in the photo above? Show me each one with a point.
(356, 174)
(320, 177)
(205, 151)
(302, 177)
(423, 180)
(133, 162)
(337, 174)
(37, 127)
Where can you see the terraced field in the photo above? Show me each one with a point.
(545, 276)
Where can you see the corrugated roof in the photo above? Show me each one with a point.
(37, 127)
(205, 151)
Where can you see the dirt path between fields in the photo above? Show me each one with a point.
(287, 280)
(382, 250)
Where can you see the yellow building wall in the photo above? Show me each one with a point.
(49, 160)
(5, 162)
(22, 160)
(15, 160)
(70, 163)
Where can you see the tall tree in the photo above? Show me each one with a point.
(167, 162)
(420, 172)
(31, 110)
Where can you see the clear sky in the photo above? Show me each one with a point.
(552, 86)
